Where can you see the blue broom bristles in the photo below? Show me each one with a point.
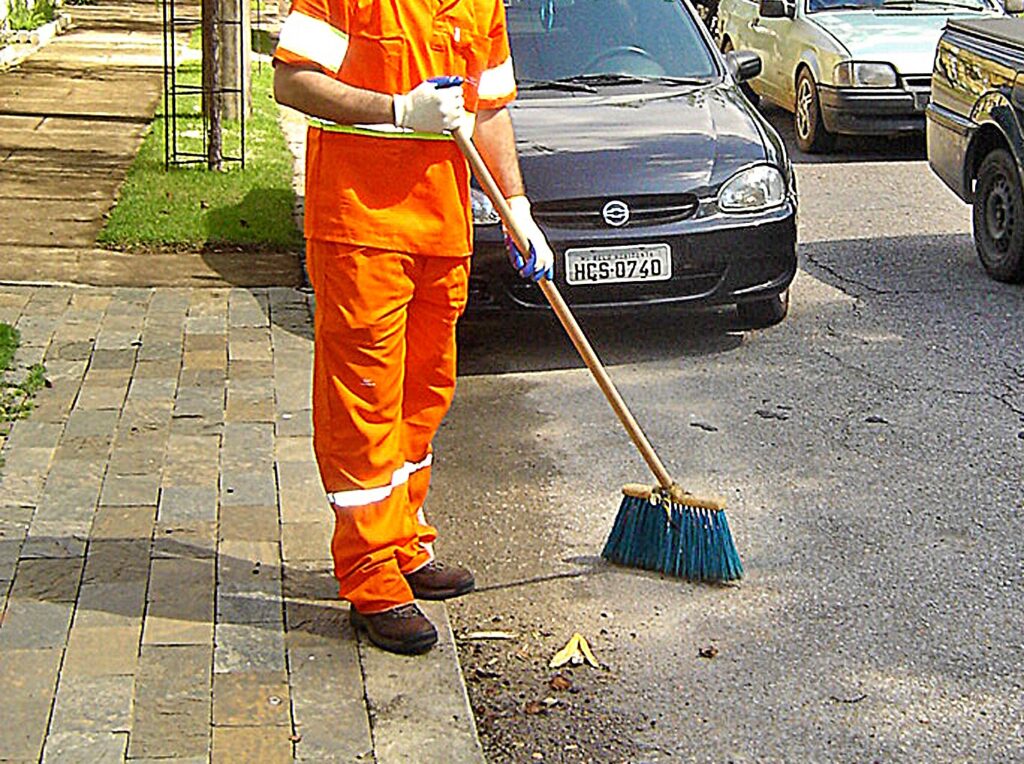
(686, 542)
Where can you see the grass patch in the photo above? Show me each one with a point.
(16, 396)
(193, 207)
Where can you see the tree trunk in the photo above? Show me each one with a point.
(212, 97)
(235, 66)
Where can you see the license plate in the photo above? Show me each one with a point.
(617, 265)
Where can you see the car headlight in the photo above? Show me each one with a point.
(857, 74)
(483, 211)
(751, 190)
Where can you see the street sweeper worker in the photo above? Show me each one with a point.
(389, 238)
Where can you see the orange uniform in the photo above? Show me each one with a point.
(389, 234)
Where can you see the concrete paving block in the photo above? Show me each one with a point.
(120, 604)
(28, 678)
(92, 703)
(293, 421)
(112, 561)
(256, 523)
(310, 580)
(206, 403)
(52, 540)
(248, 308)
(29, 461)
(327, 696)
(125, 490)
(314, 625)
(250, 400)
(307, 541)
(180, 579)
(248, 607)
(89, 448)
(302, 493)
(249, 647)
(84, 747)
(122, 358)
(49, 580)
(247, 445)
(245, 561)
(251, 698)
(248, 486)
(171, 714)
(124, 523)
(271, 745)
(252, 369)
(21, 489)
(419, 704)
(94, 651)
(192, 460)
(84, 422)
(195, 540)
(29, 433)
(93, 397)
(186, 504)
(29, 624)
(294, 448)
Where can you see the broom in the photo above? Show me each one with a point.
(662, 528)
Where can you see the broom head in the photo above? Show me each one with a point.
(673, 532)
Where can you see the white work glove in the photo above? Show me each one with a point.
(434, 106)
(541, 261)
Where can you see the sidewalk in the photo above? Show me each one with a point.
(165, 578)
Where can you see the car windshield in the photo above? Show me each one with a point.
(561, 44)
(853, 5)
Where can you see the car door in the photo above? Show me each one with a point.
(775, 42)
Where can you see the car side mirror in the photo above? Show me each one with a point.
(777, 9)
(745, 64)
(1014, 6)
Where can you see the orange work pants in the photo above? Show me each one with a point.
(383, 379)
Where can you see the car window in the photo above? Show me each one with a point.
(553, 39)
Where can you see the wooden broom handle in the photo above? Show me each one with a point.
(565, 315)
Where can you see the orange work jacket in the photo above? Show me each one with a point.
(376, 185)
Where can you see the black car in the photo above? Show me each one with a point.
(654, 178)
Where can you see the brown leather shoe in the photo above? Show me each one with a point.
(437, 581)
(403, 629)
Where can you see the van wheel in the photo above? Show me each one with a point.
(811, 135)
(999, 217)
(760, 314)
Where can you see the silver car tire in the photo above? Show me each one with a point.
(811, 135)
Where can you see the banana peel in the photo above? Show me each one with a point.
(576, 652)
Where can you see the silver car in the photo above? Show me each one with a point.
(857, 67)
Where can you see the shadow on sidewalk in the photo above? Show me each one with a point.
(119, 578)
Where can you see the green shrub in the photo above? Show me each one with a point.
(16, 397)
(21, 17)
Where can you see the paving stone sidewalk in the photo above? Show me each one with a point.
(164, 571)
(165, 586)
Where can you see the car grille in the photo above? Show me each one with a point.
(585, 214)
(922, 82)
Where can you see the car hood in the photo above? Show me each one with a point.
(688, 140)
(905, 39)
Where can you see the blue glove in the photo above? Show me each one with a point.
(446, 81)
(540, 264)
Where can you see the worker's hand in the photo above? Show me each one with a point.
(433, 106)
(539, 264)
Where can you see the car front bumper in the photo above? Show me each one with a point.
(869, 111)
(720, 260)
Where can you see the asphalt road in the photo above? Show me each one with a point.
(871, 449)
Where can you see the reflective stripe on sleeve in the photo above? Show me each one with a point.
(497, 82)
(382, 130)
(315, 40)
(359, 497)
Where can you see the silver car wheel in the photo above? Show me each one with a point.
(804, 104)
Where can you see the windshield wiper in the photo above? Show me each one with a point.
(609, 78)
(565, 85)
